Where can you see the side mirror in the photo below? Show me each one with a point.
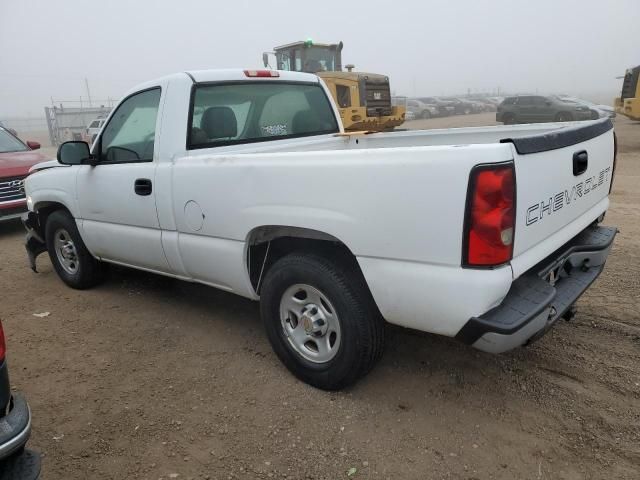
(548, 103)
(33, 145)
(74, 153)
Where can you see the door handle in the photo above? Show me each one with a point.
(143, 186)
(580, 162)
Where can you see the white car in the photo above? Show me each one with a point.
(598, 110)
(421, 110)
(93, 129)
(246, 181)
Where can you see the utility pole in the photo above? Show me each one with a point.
(86, 83)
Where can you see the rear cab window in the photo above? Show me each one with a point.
(246, 112)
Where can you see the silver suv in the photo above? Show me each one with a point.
(539, 109)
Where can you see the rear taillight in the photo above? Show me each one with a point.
(615, 159)
(490, 216)
(3, 347)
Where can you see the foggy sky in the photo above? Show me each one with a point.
(427, 47)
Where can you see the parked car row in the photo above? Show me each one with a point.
(428, 107)
(550, 108)
(512, 109)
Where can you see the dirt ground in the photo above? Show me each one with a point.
(147, 377)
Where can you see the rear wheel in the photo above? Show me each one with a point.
(68, 253)
(321, 320)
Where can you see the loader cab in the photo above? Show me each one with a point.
(309, 57)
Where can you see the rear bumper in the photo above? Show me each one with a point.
(583, 115)
(15, 427)
(541, 296)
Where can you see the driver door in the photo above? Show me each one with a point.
(116, 197)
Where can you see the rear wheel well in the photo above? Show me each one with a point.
(266, 245)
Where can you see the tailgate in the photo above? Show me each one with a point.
(562, 183)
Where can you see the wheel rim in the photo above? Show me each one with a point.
(310, 323)
(66, 252)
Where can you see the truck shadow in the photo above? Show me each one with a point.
(11, 227)
(413, 360)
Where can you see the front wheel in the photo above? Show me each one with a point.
(564, 117)
(426, 115)
(68, 253)
(321, 320)
(508, 119)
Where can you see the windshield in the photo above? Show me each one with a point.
(9, 143)
(319, 59)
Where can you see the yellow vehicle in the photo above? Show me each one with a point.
(628, 103)
(363, 99)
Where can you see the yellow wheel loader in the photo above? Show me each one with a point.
(628, 103)
(364, 99)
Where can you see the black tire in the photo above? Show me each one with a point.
(425, 114)
(564, 117)
(508, 119)
(361, 325)
(88, 271)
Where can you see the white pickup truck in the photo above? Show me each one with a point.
(245, 181)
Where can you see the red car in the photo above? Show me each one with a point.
(16, 158)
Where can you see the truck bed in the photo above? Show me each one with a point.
(419, 138)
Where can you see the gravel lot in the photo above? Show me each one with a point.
(147, 377)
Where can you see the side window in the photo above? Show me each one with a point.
(297, 56)
(344, 96)
(540, 101)
(129, 136)
(283, 61)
